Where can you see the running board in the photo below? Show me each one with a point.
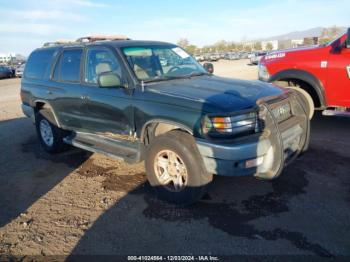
(335, 113)
(127, 151)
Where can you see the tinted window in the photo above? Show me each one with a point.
(68, 66)
(38, 63)
(99, 61)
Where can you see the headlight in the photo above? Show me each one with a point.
(236, 125)
(263, 73)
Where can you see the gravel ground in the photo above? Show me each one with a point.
(83, 203)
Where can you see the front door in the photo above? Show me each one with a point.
(339, 78)
(106, 110)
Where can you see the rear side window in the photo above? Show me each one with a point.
(68, 66)
(38, 63)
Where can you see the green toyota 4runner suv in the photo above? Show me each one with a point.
(151, 101)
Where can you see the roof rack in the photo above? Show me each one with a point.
(94, 38)
(87, 39)
(59, 42)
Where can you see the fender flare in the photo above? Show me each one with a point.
(47, 105)
(163, 121)
(304, 76)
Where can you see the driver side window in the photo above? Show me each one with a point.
(98, 61)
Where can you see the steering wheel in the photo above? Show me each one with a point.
(173, 69)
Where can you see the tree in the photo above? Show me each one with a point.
(282, 45)
(247, 48)
(192, 49)
(269, 46)
(205, 49)
(329, 34)
(239, 47)
(220, 46)
(257, 46)
(231, 46)
(183, 42)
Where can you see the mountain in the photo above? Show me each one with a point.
(316, 31)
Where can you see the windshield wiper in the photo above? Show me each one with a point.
(166, 78)
(197, 74)
(163, 78)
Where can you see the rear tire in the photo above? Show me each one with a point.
(49, 134)
(174, 157)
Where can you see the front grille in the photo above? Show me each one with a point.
(281, 111)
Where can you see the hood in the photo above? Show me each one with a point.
(301, 48)
(213, 94)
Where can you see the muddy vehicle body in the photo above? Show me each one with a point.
(118, 99)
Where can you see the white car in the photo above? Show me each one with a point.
(199, 58)
(19, 70)
(256, 57)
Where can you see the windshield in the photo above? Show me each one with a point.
(335, 41)
(156, 63)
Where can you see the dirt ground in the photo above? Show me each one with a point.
(82, 203)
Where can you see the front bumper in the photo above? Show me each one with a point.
(230, 159)
(262, 155)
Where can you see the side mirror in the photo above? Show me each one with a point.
(209, 67)
(109, 79)
(347, 44)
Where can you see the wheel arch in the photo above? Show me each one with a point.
(41, 104)
(156, 127)
(311, 84)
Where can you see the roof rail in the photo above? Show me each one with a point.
(94, 38)
(87, 39)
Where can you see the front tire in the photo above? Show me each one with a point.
(308, 102)
(175, 169)
(49, 134)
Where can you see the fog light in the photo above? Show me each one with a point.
(254, 162)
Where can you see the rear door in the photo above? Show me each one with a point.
(339, 78)
(65, 89)
(106, 110)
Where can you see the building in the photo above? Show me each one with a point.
(297, 42)
(249, 44)
(290, 43)
(311, 40)
(5, 58)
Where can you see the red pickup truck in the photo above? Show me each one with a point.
(320, 73)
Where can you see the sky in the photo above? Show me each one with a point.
(27, 24)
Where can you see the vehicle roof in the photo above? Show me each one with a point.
(117, 43)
